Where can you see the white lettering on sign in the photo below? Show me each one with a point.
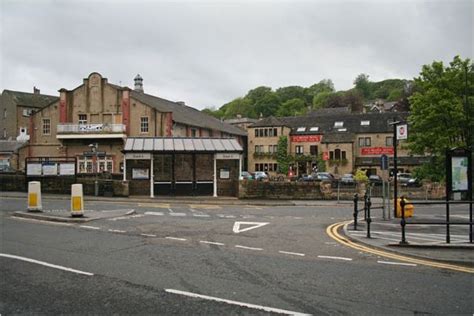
(227, 156)
(137, 156)
(236, 229)
(402, 132)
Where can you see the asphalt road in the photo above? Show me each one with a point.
(140, 263)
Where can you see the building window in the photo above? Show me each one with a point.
(313, 150)
(364, 123)
(46, 127)
(368, 142)
(193, 132)
(82, 119)
(338, 124)
(270, 132)
(260, 132)
(256, 132)
(301, 129)
(299, 150)
(314, 129)
(343, 155)
(144, 124)
(331, 155)
(4, 113)
(4, 132)
(389, 141)
(365, 141)
(361, 142)
(275, 133)
(257, 148)
(337, 154)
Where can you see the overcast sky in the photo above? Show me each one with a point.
(207, 53)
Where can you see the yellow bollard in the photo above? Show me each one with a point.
(34, 196)
(77, 200)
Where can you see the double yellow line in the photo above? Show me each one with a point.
(332, 231)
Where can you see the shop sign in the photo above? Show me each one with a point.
(376, 151)
(402, 131)
(140, 173)
(325, 155)
(227, 156)
(137, 156)
(67, 169)
(306, 138)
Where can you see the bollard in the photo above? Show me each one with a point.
(365, 205)
(368, 219)
(34, 196)
(356, 200)
(77, 200)
(403, 222)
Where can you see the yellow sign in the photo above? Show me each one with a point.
(32, 199)
(76, 203)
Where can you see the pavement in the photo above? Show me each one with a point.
(424, 241)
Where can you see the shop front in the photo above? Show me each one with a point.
(182, 166)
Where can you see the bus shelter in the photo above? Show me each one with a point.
(182, 166)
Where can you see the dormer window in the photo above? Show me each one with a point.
(314, 129)
(301, 129)
(364, 123)
(342, 129)
(338, 124)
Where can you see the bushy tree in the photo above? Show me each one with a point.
(292, 107)
(283, 159)
(362, 84)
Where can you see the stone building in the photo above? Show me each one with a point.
(345, 142)
(92, 122)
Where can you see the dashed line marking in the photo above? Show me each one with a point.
(201, 215)
(178, 214)
(148, 235)
(221, 300)
(154, 213)
(89, 227)
(335, 258)
(248, 248)
(225, 216)
(176, 238)
(211, 243)
(292, 253)
(125, 217)
(117, 231)
(397, 263)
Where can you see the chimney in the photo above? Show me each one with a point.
(138, 84)
(36, 91)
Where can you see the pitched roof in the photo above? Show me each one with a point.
(181, 144)
(338, 137)
(186, 115)
(31, 99)
(9, 146)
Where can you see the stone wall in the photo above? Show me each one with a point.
(250, 189)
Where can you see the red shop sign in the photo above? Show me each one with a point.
(376, 151)
(305, 138)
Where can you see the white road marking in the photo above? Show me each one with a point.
(148, 235)
(45, 264)
(398, 263)
(201, 215)
(125, 217)
(236, 229)
(175, 238)
(89, 227)
(204, 206)
(336, 258)
(292, 253)
(117, 231)
(225, 216)
(178, 214)
(248, 248)
(154, 213)
(130, 210)
(211, 243)
(216, 299)
(170, 210)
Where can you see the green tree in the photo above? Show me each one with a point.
(292, 107)
(290, 93)
(267, 105)
(442, 114)
(240, 106)
(362, 84)
(283, 159)
(321, 99)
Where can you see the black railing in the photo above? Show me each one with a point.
(446, 222)
(366, 208)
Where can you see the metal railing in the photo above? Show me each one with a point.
(446, 222)
(366, 208)
(90, 128)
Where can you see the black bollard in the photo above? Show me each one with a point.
(403, 222)
(368, 220)
(356, 200)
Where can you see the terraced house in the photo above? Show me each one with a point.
(92, 122)
(345, 142)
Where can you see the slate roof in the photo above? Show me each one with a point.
(338, 137)
(31, 99)
(8, 146)
(186, 115)
(181, 144)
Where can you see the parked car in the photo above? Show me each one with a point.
(403, 177)
(413, 182)
(375, 180)
(347, 179)
(326, 176)
(245, 175)
(260, 175)
(307, 177)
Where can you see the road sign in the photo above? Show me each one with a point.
(384, 162)
(402, 131)
(236, 229)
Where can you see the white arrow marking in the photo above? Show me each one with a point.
(237, 229)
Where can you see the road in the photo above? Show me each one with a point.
(158, 260)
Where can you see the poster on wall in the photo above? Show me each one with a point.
(66, 169)
(224, 174)
(140, 173)
(50, 169)
(459, 173)
(33, 169)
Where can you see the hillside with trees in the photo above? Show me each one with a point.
(296, 100)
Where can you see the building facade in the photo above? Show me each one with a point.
(345, 142)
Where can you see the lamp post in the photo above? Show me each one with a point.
(94, 147)
(395, 166)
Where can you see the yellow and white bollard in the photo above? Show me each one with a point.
(34, 196)
(77, 200)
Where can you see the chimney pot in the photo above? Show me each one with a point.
(36, 90)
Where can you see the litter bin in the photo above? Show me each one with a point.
(408, 209)
(108, 188)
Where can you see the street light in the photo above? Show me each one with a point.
(395, 165)
(94, 147)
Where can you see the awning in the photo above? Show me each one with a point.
(182, 145)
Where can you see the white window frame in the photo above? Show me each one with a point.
(314, 129)
(364, 123)
(301, 129)
(299, 149)
(82, 121)
(338, 124)
(46, 128)
(144, 124)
